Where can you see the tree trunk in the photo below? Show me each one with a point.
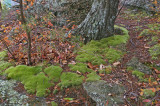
(99, 23)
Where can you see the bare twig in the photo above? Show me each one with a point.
(27, 31)
(119, 11)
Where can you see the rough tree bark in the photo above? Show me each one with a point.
(99, 22)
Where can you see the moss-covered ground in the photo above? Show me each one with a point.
(38, 79)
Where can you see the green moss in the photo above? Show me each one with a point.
(141, 79)
(69, 79)
(138, 74)
(3, 55)
(113, 55)
(155, 51)
(94, 51)
(22, 71)
(146, 32)
(4, 65)
(81, 67)
(54, 103)
(129, 68)
(55, 91)
(155, 38)
(54, 73)
(33, 78)
(37, 83)
(93, 77)
(148, 93)
(107, 70)
(115, 40)
(159, 76)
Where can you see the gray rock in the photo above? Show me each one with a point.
(102, 92)
(144, 4)
(134, 62)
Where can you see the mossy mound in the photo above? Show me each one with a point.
(95, 51)
(93, 77)
(148, 93)
(146, 32)
(81, 67)
(22, 71)
(3, 55)
(37, 83)
(69, 79)
(4, 65)
(138, 74)
(155, 51)
(33, 78)
(54, 73)
(54, 103)
(113, 55)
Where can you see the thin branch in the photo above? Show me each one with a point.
(119, 11)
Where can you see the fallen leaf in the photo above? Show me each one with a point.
(90, 65)
(146, 100)
(157, 71)
(116, 64)
(139, 37)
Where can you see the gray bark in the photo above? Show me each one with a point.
(99, 23)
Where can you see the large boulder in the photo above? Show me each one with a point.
(104, 93)
(147, 5)
(137, 65)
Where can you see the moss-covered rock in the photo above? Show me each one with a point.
(93, 77)
(3, 55)
(155, 51)
(69, 79)
(81, 67)
(33, 78)
(54, 73)
(138, 74)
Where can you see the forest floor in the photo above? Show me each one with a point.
(137, 46)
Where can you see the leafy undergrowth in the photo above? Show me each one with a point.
(62, 64)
